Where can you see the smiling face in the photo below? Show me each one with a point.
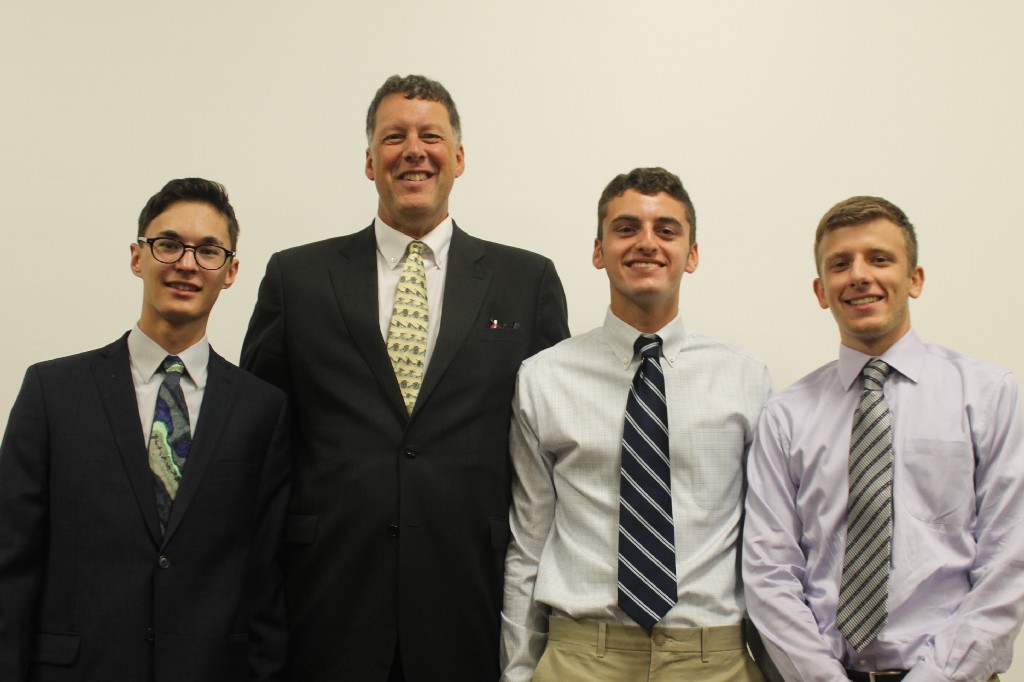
(645, 249)
(177, 297)
(867, 282)
(413, 159)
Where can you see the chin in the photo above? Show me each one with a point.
(180, 316)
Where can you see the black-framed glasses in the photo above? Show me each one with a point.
(167, 250)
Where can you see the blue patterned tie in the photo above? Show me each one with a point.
(647, 554)
(862, 611)
(170, 437)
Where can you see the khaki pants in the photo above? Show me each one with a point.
(587, 651)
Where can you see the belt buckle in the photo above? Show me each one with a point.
(881, 675)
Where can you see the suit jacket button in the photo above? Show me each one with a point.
(411, 454)
(150, 635)
(393, 531)
(164, 562)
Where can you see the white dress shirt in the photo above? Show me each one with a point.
(391, 246)
(956, 590)
(146, 357)
(566, 442)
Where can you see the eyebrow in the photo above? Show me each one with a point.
(870, 251)
(660, 220)
(209, 239)
(404, 128)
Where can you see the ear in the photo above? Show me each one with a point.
(136, 253)
(369, 164)
(692, 259)
(819, 291)
(229, 278)
(460, 161)
(598, 257)
(916, 282)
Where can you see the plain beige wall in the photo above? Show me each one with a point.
(769, 111)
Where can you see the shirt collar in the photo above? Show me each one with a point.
(621, 337)
(392, 244)
(906, 356)
(147, 355)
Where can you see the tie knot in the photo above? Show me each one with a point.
(416, 248)
(648, 346)
(173, 368)
(875, 373)
(172, 364)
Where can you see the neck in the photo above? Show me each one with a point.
(414, 230)
(173, 338)
(412, 227)
(874, 347)
(644, 321)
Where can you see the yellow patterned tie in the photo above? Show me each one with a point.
(407, 333)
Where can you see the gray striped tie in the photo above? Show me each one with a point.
(862, 611)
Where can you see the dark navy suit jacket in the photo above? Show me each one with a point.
(89, 588)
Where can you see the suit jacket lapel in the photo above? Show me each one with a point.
(354, 276)
(464, 289)
(112, 373)
(218, 398)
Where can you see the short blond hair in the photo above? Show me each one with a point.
(860, 210)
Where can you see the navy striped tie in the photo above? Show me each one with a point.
(862, 610)
(647, 554)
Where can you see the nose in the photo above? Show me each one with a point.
(413, 150)
(645, 240)
(858, 272)
(188, 259)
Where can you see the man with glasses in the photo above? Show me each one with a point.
(143, 485)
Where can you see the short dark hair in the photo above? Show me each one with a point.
(649, 181)
(860, 210)
(191, 189)
(413, 87)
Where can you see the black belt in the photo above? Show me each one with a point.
(876, 676)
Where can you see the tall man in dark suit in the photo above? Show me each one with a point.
(399, 517)
(143, 486)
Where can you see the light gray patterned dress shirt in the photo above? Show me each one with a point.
(566, 441)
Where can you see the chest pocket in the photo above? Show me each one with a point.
(938, 485)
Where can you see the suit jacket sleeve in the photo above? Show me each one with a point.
(552, 312)
(263, 350)
(268, 626)
(24, 500)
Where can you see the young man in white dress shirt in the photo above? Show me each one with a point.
(562, 617)
(949, 596)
